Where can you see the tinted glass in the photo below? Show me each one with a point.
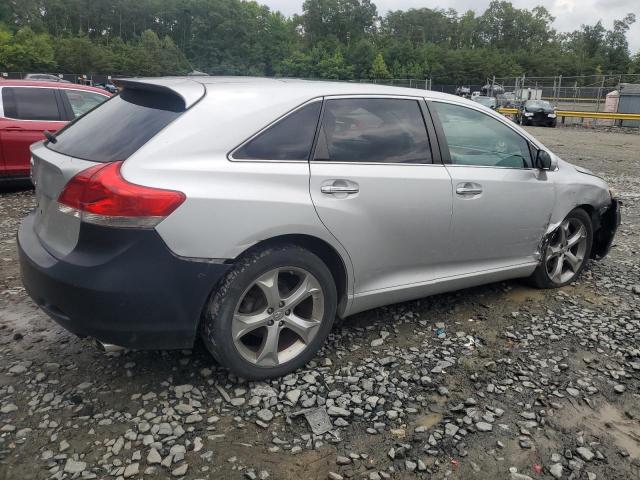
(82, 101)
(289, 139)
(119, 126)
(373, 130)
(30, 103)
(475, 138)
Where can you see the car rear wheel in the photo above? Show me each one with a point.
(566, 253)
(272, 312)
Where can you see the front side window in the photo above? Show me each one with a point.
(373, 130)
(26, 103)
(475, 138)
(289, 139)
(82, 101)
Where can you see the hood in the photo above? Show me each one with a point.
(586, 171)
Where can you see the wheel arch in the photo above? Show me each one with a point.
(325, 251)
(600, 240)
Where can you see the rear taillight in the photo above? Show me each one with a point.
(101, 196)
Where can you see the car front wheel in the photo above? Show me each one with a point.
(272, 312)
(566, 253)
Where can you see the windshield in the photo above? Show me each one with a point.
(537, 104)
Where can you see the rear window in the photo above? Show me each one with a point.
(289, 139)
(30, 103)
(119, 127)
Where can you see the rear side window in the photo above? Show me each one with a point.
(373, 130)
(24, 103)
(118, 127)
(82, 101)
(289, 139)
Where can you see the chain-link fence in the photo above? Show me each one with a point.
(585, 93)
(79, 78)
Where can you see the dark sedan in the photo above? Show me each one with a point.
(537, 112)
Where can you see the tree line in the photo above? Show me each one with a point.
(333, 39)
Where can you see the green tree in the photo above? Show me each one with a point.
(634, 65)
(347, 20)
(26, 51)
(379, 68)
(331, 39)
(616, 47)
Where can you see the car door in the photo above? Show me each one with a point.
(501, 203)
(27, 113)
(381, 190)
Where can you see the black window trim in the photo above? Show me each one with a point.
(230, 154)
(59, 103)
(444, 146)
(431, 135)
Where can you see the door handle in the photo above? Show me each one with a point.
(339, 186)
(467, 189)
(12, 129)
(331, 189)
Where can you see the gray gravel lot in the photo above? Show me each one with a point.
(496, 382)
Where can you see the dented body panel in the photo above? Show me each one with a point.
(574, 189)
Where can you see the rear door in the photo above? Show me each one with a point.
(502, 204)
(27, 113)
(381, 190)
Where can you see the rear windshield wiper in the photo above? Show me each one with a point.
(50, 136)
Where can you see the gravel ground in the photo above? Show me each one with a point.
(501, 381)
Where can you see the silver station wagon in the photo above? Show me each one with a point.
(253, 211)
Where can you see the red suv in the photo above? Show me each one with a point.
(27, 109)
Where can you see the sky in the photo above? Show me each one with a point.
(569, 14)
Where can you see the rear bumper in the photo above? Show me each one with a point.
(119, 286)
(604, 236)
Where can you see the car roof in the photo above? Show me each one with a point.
(44, 83)
(191, 89)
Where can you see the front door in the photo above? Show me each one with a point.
(28, 112)
(380, 190)
(501, 203)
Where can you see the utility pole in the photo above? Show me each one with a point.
(559, 91)
(600, 91)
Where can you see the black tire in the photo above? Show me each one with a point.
(216, 324)
(540, 277)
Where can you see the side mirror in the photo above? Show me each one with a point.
(544, 161)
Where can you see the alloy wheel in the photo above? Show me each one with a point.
(566, 250)
(277, 316)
